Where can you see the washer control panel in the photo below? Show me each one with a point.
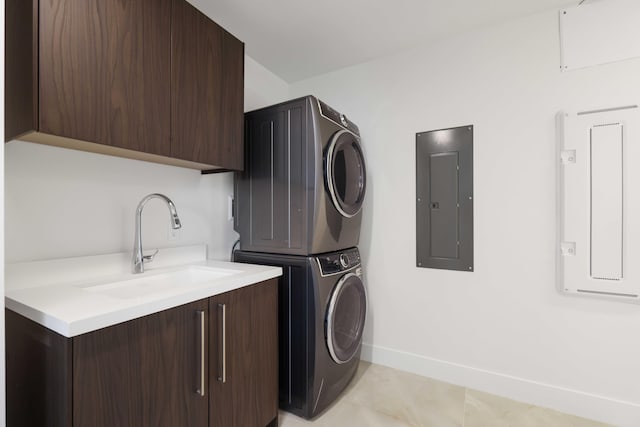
(337, 262)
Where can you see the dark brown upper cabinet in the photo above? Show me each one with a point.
(153, 80)
(103, 72)
(207, 90)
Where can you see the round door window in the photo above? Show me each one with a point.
(345, 173)
(345, 318)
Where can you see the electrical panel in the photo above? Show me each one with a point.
(444, 199)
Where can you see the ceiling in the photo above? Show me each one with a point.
(298, 39)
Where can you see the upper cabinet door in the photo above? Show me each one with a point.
(207, 81)
(105, 72)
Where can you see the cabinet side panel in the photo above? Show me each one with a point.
(231, 136)
(21, 78)
(38, 363)
(105, 72)
(264, 306)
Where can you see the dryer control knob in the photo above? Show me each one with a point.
(344, 121)
(344, 260)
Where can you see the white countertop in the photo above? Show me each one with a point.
(73, 296)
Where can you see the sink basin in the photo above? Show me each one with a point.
(168, 283)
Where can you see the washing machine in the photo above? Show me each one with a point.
(322, 310)
(304, 180)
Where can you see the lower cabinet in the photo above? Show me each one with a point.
(244, 357)
(208, 363)
(143, 372)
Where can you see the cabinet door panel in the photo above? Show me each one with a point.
(207, 84)
(141, 373)
(248, 396)
(105, 72)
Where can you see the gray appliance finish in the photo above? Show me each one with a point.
(304, 181)
(444, 199)
(321, 315)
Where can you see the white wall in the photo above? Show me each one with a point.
(63, 203)
(261, 86)
(502, 328)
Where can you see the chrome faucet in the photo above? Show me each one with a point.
(138, 258)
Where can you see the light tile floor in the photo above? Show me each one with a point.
(385, 397)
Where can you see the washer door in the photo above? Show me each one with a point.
(345, 318)
(345, 173)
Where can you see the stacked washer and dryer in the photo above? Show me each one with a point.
(298, 206)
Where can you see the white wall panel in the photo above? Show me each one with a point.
(599, 211)
(599, 32)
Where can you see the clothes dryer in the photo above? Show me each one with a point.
(304, 182)
(321, 313)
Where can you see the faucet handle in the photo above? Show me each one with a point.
(149, 258)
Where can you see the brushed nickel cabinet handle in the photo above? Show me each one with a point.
(222, 372)
(201, 367)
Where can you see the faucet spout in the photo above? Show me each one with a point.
(138, 258)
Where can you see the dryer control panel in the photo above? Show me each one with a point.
(340, 119)
(337, 262)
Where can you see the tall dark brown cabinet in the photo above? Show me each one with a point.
(154, 80)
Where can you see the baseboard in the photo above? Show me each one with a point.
(599, 408)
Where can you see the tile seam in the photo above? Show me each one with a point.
(464, 407)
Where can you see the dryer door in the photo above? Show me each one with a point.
(345, 318)
(345, 173)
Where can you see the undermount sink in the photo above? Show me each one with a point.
(163, 283)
